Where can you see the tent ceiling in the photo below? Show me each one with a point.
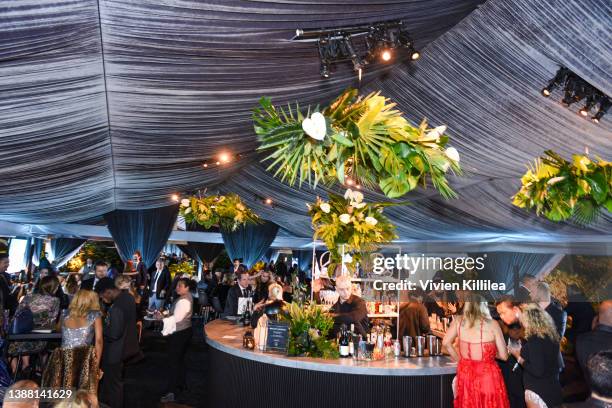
(115, 104)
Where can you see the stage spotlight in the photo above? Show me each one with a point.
(546, 92)
(268, 201)
(225, 157)
(415, 55)
(386, 55)
(218, 163)
(175, 197)
(205, 165)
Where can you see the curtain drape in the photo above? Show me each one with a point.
(63, 249)
(203, 252)
(27, 255)
(249, 242)
(304, 259)
(146, 231)
(501, 266)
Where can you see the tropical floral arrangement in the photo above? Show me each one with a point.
(559, 189)
(181, 268)
(226, 211)
(309, 326)
(349, 221)
(362, 138)
(259, 266)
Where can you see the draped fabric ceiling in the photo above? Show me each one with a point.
(110, 105)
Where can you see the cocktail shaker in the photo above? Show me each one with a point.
(407, 343)
(420, 345)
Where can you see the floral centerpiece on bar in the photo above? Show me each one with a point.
(309, 327)
(362, 138)
(559, 189)
(226, 211)
(348, 220)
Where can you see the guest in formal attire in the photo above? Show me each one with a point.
(71, 286)
(77, 363)
(599, 339)
(508, 310)
(236, 263)
(544, 299)
(140, 273)
(240, 290)
(479, 382)
(413, 317)
(281, 270)
(100, 270)
(261, 292)
(539, 357)
(87, 269)
(120, 340)
(45, 309)
(9, 302)
(526, 288)
(178, 327)
(582, 314)
(599, 369)
(349, 309)
(160, 285)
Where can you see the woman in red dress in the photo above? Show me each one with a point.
(479, 382)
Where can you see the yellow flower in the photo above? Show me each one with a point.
(581, 162)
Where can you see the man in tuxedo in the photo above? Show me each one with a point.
(241, 289)
(281, 270)
(87, 269)
(526, 289)
(100, 271)
(597, 340)
(120, 340)
(160, 285)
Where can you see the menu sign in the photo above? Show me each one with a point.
(278, 336)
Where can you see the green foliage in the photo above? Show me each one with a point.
(366, 139)
(97, 251)
(182, 268)
(359, 226)
(309, 327)
(226, 211)
(560, 190)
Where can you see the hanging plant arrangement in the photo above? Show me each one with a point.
(226, 211)
(349, 221)
(364, 138)
(560, 190)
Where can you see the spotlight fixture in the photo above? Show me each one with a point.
(224, 157)
(340, 44)
(175, 197)
(205, 165)
(268, 201)
(575, 89)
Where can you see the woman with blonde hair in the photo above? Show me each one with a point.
(539, 357)
(479, 382)
(77, 363)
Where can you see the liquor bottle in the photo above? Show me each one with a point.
(351, 336)
(344, 342)
(246, 321)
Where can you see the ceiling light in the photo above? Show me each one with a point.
(415, 55)
(205, 165)
(224, 157)
(175, 197)
(218, 163)
(546, 92)
(386, 55)
(268, 201)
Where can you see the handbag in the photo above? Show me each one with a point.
(23, 322)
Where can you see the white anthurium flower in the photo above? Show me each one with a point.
(357, 196)
(325, 207)
(452, 154)
(347, 258)
(371, 220)
(185, 202)
(348, 194)
(554, 180)
(435, 133)
(188, 210)
(345, 218)
(315, 126)
(358, 204)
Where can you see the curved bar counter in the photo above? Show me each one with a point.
(240, 377)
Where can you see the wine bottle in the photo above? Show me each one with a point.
(344, 342)
(246, 321)
(351, 337)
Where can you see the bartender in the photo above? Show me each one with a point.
(349, 309)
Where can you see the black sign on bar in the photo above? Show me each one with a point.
(278, 336)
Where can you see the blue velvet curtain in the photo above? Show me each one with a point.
(249, 242)
(503, 266)
(27, 255)
(146, 231)
(304, 258)
(39, 245)
(62, 249)
(202, 252)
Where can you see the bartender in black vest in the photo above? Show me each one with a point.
(349, 309)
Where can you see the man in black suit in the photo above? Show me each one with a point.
(281, 270)
(526, 289)
(241, 289)
(160, 285)
(100, 271)
(120, 340)
(597, 340)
